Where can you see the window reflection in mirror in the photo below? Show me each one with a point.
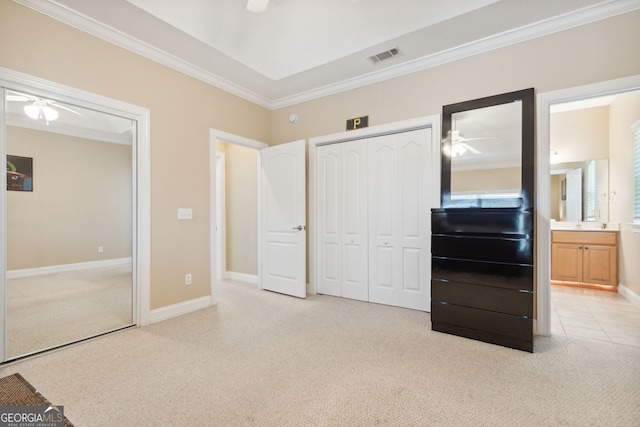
(486, 152)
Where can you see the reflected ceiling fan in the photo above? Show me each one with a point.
(39, 108)
(459, 145)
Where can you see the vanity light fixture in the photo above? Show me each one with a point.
(40, 110)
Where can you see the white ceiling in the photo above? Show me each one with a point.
(298, 50)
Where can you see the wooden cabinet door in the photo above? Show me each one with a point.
(600, 265)
(566, 262)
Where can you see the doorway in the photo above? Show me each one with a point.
(617, 212)
(587, 158)
(234, 209)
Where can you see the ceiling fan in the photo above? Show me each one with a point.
(40, 108)
(459, 145)
(257, 5)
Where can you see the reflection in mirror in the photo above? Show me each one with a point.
(486, 152)
(69, 230)
(580, 191)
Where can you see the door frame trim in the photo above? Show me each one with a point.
(222, 232)
(432, 122)
(216, 135)
(544, 101)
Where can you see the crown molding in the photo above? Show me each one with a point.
(105, 32)
(560, 23)
(530, 32)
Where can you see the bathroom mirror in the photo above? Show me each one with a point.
(580, 191)
(488, 151)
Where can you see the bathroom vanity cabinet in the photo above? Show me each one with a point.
(587, 258)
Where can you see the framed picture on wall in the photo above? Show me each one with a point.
(19, 173)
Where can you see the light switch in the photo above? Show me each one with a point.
(185, 213)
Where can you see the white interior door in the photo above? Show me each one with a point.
(399, 219)
(283, 219)
(353, 215)
(342, 220)
(329, 239)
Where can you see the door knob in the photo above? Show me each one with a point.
(300, 228)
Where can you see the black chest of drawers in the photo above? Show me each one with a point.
(482, 274)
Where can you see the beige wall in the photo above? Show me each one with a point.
(182, 111)
(241, 190)
(490, 180)
(624, 112)
(580, 134)
(81, 199)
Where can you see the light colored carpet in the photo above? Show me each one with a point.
(264, 359)
(53, 309)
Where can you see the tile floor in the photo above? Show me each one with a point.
(594, 314)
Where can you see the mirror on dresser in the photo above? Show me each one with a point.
(483, 234)
(580, 191)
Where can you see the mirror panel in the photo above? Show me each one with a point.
(69, 223)
(488, 151)
(580, 191)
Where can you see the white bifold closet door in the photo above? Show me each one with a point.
(400, 219)
(342, 220)
(374, 201)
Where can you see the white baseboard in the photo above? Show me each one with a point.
(39, 271)
(242, 277)
(185, 307)
(631, 296)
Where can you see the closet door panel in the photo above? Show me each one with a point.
(353, 203)
(328, 167)
(384, 276)
(399, 191)
(414, 161)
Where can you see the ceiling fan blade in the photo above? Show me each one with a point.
(20, 98)
(470, 148)
(480, 137)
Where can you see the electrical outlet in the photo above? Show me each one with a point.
(100, 249)
(185, 213)
(187, 279)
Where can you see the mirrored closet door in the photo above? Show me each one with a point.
(69, 209)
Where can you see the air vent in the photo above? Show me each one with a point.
(382, 56)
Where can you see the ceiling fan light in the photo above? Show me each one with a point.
(257, 5)
(49, 113)
(457, 150)
(32, 110)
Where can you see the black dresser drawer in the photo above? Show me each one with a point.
(506, 222)
(483, 297)
(482, 248)
(509, 276)
(496, 328)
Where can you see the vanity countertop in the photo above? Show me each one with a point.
(584, 226)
